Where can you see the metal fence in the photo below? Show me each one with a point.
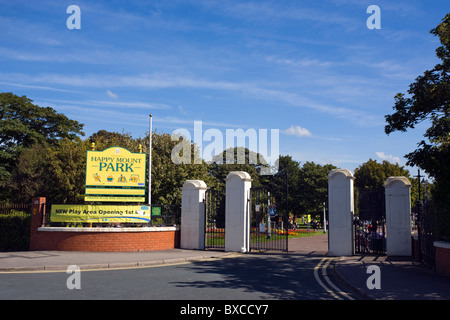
(7, 209)
(424, 223)
(165, 215)
(268, 224)
(214, 204)
(371, 204)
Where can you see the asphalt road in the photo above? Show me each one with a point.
(247, 277)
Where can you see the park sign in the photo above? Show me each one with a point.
(79, 213)
(115, 167)
(115, 174)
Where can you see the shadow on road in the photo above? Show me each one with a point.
(274, 276)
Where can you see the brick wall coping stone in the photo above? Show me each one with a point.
(129, 229)
(442, 244)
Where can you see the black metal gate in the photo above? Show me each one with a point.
(215, 218)
(425, 224)
(268, 222)
(370, 236)
(371, 203)
(370, 224)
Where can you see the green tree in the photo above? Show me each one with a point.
(372, 175)
(168, 177)
(369, 182)
(56, 172)
(24, 124)
(313, 188)
(285, 181)
(30, 175)
(105, 139)
(220, 166)
(428, 100)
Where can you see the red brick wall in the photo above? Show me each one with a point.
(37, 214)
(96, 241)
(105, 241)
(442, 260)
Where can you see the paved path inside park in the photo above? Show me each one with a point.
(310, 245)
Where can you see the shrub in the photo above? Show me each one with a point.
(15, 231)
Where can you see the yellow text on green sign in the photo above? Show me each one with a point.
(100, 213)
(115, 167)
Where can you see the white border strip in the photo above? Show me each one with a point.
(85, 229)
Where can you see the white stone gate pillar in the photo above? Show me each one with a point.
(193, 215)
(237, 206)
(398, 216)
(340, 212)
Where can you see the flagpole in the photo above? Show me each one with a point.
(150, 164)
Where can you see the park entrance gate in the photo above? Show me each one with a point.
(268, 221)
(370, 224)
(214, 204)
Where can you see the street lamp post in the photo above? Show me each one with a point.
(150, 163)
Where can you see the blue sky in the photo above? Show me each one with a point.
(311, 69)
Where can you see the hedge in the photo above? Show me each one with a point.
(15, 231)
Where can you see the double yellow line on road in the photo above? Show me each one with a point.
(334, 291)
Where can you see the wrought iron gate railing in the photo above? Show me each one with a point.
(370, 224)
(424, 217)
(369, 236)
(268, 226)
(215, 218)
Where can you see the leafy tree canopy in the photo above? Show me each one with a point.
(372, 175)
(24, 124)
(429, 99)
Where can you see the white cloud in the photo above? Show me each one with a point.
(388, 157)
(297, 131)
(298, 62)
(12, 84)
(182, 111)
(104, 103)
(112, 95)
(164, 80)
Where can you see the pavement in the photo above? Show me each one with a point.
(26, 261)
(401, 278)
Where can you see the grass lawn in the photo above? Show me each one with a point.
(218, 239)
